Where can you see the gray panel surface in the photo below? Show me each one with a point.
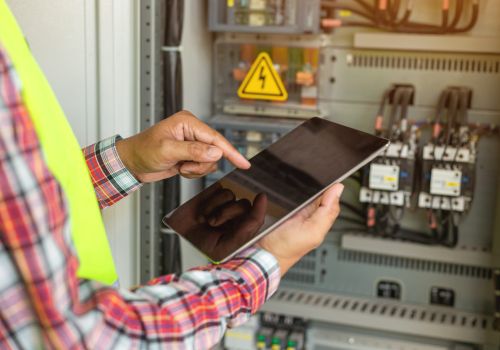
(357, 274)
(361, 76)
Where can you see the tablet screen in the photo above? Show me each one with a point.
(246, 203)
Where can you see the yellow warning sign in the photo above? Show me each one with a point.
(263, 81)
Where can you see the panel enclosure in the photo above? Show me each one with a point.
(296, 64)
(350, 80)
(264, 16)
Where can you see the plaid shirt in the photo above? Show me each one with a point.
(44, 304)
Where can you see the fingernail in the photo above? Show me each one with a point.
(214, 153)
(339, 188)
(212, 221)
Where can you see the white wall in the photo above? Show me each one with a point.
(62, 36)
(118, 114)
(88, 51)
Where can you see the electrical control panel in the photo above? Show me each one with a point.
(417, 224)
(410, 261)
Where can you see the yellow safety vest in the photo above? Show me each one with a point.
(63, 155)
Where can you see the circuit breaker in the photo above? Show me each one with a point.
(271, 16)
(389, 179)
(448, 177)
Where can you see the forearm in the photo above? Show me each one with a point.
(189, 311)
(198, 305)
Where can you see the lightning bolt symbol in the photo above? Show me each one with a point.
(262, 77)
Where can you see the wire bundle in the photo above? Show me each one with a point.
(400, 98)
(383, 219)
(385, 15)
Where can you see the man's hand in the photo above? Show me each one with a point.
(305, 231)
(180, 144)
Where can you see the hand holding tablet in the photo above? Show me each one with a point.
(305, 230)
(245, 205)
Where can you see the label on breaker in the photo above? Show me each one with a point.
(384, 177)
(258, 4)
(309, 92)
(445, 182)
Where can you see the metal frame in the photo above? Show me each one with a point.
(150, 112)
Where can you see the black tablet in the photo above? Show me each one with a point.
(245, 205)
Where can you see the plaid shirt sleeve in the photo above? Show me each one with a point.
(111, 180)
(44, 304)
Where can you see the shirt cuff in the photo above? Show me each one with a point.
(255, 266)
(111, 179)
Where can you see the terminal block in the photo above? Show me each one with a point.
(282, 332)
(264, 16)
(268, 331)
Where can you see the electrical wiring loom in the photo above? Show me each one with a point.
(448, 166)
(395, 16)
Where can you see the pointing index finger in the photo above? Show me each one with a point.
(206, 134)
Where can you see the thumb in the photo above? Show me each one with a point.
(324, 216)
(192, 151)
(331, 197)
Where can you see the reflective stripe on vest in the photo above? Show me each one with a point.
(63, 155)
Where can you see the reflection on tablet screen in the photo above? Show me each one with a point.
(245, 203)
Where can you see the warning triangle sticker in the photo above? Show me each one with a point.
(263, 81)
